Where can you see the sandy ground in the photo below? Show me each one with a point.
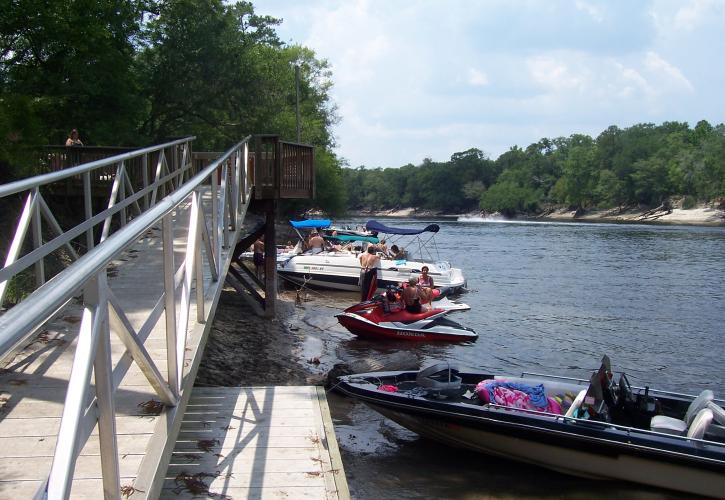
(694, 216)
(701, 215)
(247, 350)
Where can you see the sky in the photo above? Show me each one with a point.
(415, 79)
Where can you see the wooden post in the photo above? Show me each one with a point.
(270, 259)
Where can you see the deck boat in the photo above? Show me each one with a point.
(339, 269)
(593, 428)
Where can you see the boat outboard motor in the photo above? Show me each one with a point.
(440, 379)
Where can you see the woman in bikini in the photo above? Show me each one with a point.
(425, 285)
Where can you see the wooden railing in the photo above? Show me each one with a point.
(283, 169)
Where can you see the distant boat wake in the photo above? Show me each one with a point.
(488, 218)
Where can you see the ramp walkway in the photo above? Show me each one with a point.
(99, 361)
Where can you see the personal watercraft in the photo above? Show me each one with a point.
(381, 318)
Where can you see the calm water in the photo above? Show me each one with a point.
(549, 298)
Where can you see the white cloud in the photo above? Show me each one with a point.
(693, 13)
(555, 73)
(594, 11)
(672, 76)
(477, 78)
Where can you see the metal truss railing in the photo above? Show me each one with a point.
(85, 408)
(128, 176)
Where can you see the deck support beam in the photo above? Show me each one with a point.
(270, 259)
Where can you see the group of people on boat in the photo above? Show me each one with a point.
(416, 292)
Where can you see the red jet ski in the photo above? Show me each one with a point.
(379, 319)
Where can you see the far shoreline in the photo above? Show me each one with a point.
(702, 215)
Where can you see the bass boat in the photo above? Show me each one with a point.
(382, 319)
(593, 428)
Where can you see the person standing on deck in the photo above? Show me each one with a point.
(258, 257)
(73, 139)
(369, 263)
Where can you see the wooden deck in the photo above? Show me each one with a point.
(256, 442)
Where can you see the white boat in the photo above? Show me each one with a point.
(340, 269)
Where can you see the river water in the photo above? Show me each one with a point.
(547, 298)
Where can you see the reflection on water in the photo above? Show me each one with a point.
(548, 298)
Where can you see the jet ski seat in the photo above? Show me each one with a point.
(670, 425)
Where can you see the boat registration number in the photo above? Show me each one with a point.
(314, 268)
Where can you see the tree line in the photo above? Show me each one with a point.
(644, 164)
(140, 72)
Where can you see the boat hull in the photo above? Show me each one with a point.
(341, 271)
(608, 440)
(623, 466)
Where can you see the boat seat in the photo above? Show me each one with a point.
(700, 423)
(576, 404)
(718, 412)
(670, 425)
(717, 427)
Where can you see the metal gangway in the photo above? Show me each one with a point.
(100, 357)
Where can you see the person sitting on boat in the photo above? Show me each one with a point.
(383, 248)
(411, 297)
(425, 285)
(317, 243)
(369, 262)
(396, 253)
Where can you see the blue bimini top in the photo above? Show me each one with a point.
(310, 223)
(373, 225)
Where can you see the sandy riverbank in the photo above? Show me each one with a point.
(702, 215)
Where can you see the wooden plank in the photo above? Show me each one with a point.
(87, 467)
(262, 441)
(287, 439)
(336, 466)
(268, 493)
(47, 426)
(272, 479)
(44, 446)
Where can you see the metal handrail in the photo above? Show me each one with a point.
(229, 199)
(172, 165)
(22, 320)
(39, 180)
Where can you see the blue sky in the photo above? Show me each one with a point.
(419, 79)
